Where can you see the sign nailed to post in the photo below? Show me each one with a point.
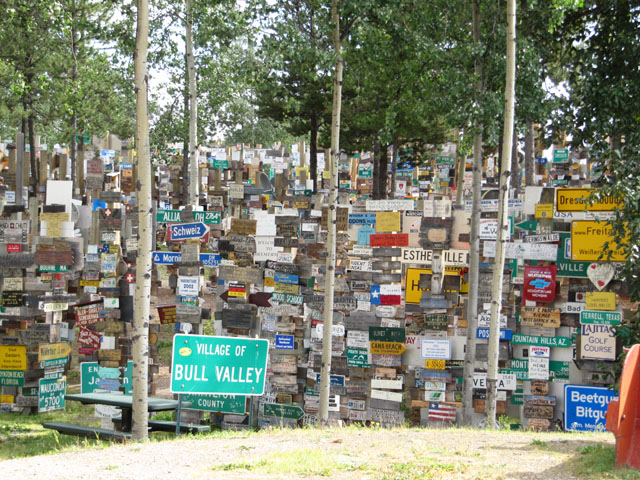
(221, 365)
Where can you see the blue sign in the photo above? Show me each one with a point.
(585, 408)
(505, 334)
(169, 258)
(285, 278)
(166, 258)
(541, 160)
(126, 166)
(364, 233)
(188, 230)
(335, 380)
(285, 342)
(362, 219)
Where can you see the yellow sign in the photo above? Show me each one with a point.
(326, 174)
(587, 242)
(7, 398)
(52, 351)
(269, 282)
(544, 210)
(387, 348)
(89, 283)
(287, 288)
(601, 301)
(388, 222)
(413, 293)
(13, 357)
(435, 364)
(575, 200)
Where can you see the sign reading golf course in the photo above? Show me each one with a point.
(221, 365)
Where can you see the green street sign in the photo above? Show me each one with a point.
(53, 268)
(386, 334)
(283, 411)
(217, 403)
(520, 339)
(528, 225)
(566, 267)
(54, 362)
(11, 378)
(520, 367)
(561, 155)
(444, 160)
(51, 394)
(220, 164)
(517, 399)
(222, 365)
(94, 377)
(365, 170)
(289, 298)
(600, 318)
(173, 216)
(357, 357)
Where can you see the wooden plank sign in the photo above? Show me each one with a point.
(243, 226)
(538, 411)
(540, 317)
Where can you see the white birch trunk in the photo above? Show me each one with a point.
(194, 177)
(474, 242)
(331, 222)
(143, 261)
(505, 180)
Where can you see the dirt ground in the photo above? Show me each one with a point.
(402, 454)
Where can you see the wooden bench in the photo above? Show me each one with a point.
(89, 432)
(169, 426)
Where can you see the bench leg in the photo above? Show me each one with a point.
(126, 420)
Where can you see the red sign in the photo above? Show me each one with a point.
(87, 316)
(539, 283)
(389, 239)
(130, 277)
(167, 314)
(86, 350)
(88, 337)
(14, 248)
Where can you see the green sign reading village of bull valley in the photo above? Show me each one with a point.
(221, 365)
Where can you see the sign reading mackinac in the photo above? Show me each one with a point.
(221, 365)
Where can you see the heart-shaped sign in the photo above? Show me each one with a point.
(600, 274)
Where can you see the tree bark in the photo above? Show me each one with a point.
(194, 178)
(376, 167)
(331, 222)
(33, 162)
(505, 180)
(515, 168)
(313, 152)
(474, 242)
(394, 166)
(142, 297)
(383, 163)
(529, 155)
(74, 115)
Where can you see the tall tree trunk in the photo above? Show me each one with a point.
(194, 178)
(74, 115)
(313, 152)
(33, 161)
(474, 242)
(142, 297)
(529, 155)
(185, 149)
(383, 163)
(394, 166)
(331, 221)
(376, 167)
(505, 177)
(515, 168)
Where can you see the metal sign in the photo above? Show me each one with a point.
(587, 241)
(283, 411)
(217, 403)
(585, 407)
(602, 318)
(94, 377)
(576, 200)
(221, 365)
(187, 230)
(51, 394)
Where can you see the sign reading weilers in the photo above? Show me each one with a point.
(220, 365)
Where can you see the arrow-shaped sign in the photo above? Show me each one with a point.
(528, 225)
(260, 299)
(283, 411)
(187, 230)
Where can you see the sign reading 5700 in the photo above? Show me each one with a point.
(221, 365)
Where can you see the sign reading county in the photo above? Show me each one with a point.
(221, 365)
(585, 408)
(217, 403)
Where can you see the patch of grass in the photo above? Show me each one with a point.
(599, 461)
(306, 461)
(539, 443)
(419, 469)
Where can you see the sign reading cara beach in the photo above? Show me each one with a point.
(222, 365)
